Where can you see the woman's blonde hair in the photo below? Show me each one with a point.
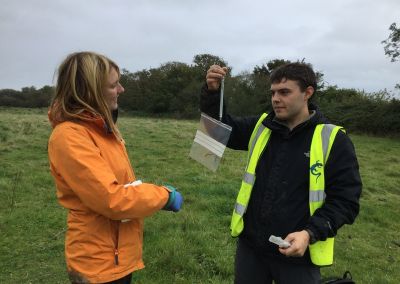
(79, 94)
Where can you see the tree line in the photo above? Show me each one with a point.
(173, 90)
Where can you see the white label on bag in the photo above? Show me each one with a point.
(211, 144)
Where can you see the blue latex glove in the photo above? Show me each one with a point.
(175, 200)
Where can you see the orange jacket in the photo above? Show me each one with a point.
(91, 169)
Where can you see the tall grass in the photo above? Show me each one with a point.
(194, 245)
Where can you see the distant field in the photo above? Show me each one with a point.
(194, 245)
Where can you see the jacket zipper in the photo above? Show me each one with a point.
(116, 252)
(116, 256)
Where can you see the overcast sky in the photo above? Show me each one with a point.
(341, 38)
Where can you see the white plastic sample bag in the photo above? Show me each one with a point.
(210, 142)
(211, 138)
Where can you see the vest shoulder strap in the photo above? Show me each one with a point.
(252, 140)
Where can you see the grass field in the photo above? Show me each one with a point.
(194, 245)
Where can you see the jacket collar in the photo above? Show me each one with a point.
(315, 118)
(99, 121)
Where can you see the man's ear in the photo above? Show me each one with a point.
(309, 92)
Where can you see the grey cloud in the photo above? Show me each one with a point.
(341, 38)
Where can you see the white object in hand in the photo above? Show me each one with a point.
(278, 241)
(135, 183)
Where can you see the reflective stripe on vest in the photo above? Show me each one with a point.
(324, 134)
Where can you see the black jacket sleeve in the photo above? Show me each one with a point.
(342, 187)
(241, 127)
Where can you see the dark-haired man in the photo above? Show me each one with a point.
(301, 183)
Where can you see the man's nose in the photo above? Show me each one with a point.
(275, 98)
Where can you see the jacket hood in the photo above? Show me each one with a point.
(56, 119)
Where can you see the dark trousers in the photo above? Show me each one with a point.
(77, 279)
(253, 268)
(124, 280)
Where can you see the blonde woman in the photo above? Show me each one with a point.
(93, 175)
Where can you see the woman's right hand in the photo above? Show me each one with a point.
(175, 199)
(214, 76)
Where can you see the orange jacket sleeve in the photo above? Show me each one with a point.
(80, 168)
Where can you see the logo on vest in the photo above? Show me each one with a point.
(315, 169)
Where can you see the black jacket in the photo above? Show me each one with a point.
(279, 201)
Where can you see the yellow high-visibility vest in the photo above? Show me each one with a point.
(324, 134)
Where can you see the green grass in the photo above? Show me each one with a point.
(194, 245)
